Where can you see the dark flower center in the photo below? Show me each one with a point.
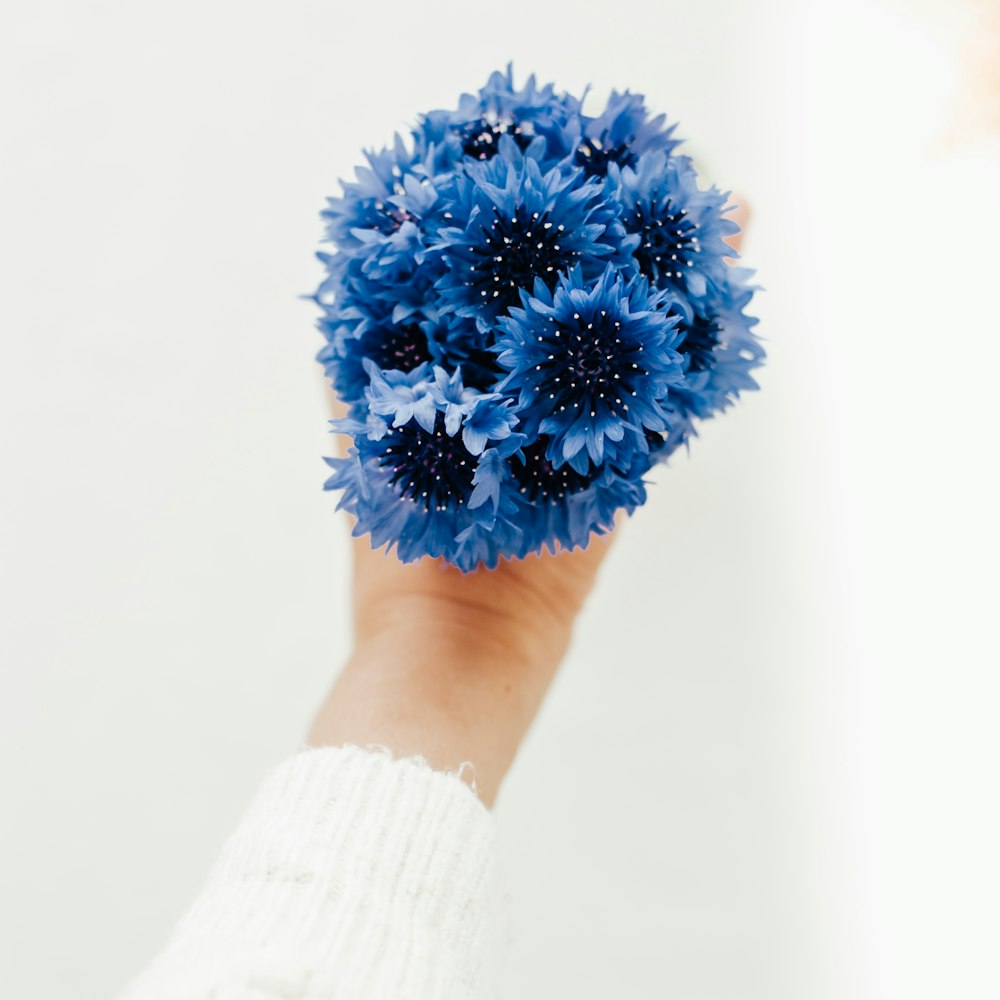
(480, 136)
(668, 238)
(594, 156)
(539, 481)
(589, 365)
(516, 250)
(398, 347)
(700, 339)
(386, 218)
(432, 469)
(463, 346)
(654, 439)
(479, 368)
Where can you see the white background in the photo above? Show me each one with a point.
(768, 768)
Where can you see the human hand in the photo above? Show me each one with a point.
(453, 666)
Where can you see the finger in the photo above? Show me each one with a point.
(740, 214)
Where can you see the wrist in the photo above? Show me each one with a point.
(448, 689)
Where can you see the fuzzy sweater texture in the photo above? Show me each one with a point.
(354, 875)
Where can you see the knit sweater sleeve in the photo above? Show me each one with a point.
(352, 876)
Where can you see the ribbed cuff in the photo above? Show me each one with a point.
(353, 875)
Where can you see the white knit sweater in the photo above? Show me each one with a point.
(353, 876)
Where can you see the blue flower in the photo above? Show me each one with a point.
(680, 227)
(410, 483)
(621, 133)
(456, 342)
(516, 225)
(453, 397)
(490, 418)
(719, 348)
(402, 396)
(591, 365)
(397, 187)
(418, 516)
(560, 507)
(531, 117)
(382, 225)
(362, 333)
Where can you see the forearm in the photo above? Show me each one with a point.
(445, 694)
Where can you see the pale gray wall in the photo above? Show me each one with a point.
(765, 772)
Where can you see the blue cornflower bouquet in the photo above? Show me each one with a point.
(527, 308)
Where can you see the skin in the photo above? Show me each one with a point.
(454, 666)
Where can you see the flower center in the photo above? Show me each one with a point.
(589, 365)
(517, 249)
(432, 469)
(668, 238)
(396, 347)
(480, 136)
(700, 339)
(384, 217)
(539, 481)
(594, 156)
